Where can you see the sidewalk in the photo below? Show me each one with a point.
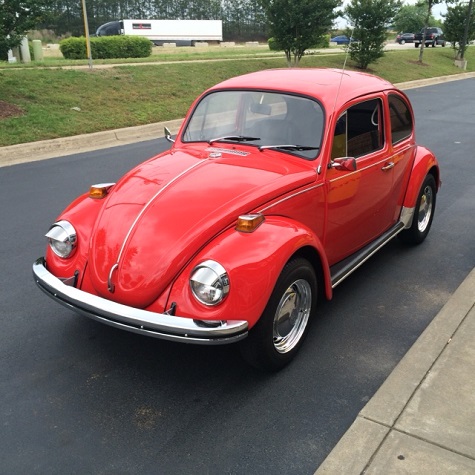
(422, 419)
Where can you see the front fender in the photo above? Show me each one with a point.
(424, 163)
(254, 262)
(82, 214)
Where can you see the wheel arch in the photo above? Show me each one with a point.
(313, 256)
(425, 163)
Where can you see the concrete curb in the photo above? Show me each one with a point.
(44, 149)
(378, 419)
(431, 81)
(34, 151)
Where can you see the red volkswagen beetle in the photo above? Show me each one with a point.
(279, 185)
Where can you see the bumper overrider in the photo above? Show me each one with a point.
(158, 325)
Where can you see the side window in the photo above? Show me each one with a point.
(359, 130)
(401, 119)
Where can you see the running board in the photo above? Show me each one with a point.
(339, 272)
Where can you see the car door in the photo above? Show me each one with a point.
(359, 202)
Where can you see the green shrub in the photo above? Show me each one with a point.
(73, 48)
(107, 47)
(274, 45)
(324, 42)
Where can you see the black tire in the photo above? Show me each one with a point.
(402, 42)
(416, 45)
(423, 215)
(278, 335)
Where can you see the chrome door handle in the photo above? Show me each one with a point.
(388, 166)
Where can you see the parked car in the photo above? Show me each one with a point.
(433, 36)
(403, 38)
(341, 40)
(279, 185)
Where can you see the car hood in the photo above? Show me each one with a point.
(164, 211)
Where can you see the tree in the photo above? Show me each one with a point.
(16, 18)
(454, 28)
(410, 19)
(243, 20)
(369, 19)
(297, 25)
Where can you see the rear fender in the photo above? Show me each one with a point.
(425, 163)
(253, 262)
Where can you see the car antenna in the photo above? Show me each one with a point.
(343, 69)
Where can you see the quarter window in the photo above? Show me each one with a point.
(401, 119)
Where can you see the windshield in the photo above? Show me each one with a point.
(264, 119)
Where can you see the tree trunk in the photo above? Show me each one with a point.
(426, 24)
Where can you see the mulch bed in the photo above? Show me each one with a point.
(8, 110)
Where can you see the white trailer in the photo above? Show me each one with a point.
(181, 32)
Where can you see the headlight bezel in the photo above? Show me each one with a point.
(209, 283)
(62, 239)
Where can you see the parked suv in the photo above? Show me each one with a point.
(433, 37)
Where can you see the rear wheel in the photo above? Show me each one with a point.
(402, 42)
(279, 333)
(423, 215)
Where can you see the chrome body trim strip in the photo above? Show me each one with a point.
(158, 325)
(148, 204)
(268, 207)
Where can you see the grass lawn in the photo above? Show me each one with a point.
(48, 102)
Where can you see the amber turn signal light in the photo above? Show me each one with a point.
(97, 192)
(248, 223)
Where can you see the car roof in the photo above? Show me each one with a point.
(333, 87)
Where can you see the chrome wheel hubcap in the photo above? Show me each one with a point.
(425, 209)
(291, 316)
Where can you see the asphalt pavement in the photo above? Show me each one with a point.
(422, 419)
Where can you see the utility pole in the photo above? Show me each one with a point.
(86, 31)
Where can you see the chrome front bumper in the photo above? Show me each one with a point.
(158, 325)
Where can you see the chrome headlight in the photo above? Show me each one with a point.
(209, 283)
(62, 238)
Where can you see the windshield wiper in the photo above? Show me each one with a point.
(234, 138)
(299, 148)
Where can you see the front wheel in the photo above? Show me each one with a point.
(423, 215)
(279, 333)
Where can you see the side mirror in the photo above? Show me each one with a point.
(347, 164)
(168, 135)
